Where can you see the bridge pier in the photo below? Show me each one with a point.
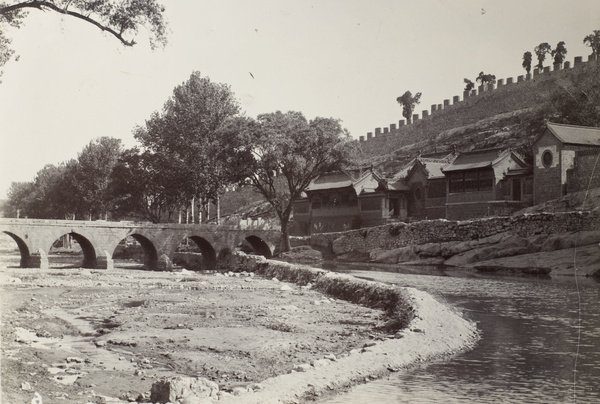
(105, 261)
(39, 260)
(164, 263)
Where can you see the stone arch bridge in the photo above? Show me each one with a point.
(99, 239)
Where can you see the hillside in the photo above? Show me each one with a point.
(509, 114)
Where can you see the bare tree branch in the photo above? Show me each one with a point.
(41, 5)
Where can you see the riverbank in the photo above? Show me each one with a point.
(81, 336)
(556, 244)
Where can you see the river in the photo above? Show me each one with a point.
(540, 342)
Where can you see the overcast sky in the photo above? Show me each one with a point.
(345, 59)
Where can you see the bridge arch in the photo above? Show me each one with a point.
(260, 246)
(87, 248)
(209, 254)
(23, 248)
(149, 248)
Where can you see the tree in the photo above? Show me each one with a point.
(469, 85)
(540, 51)
(408, 103)
(19, 199)
(91, 175)
(288, 153)
(593, 41)
(559, 54)
(122, 19)
(486, 78)
(189, 131)
(527, 57)
(146, 186)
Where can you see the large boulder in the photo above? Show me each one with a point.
(393, 256)
(571, 240)
(192, 389)
(507, 247)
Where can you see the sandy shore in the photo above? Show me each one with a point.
(79, 336)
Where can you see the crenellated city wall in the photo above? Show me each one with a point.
(506, 95)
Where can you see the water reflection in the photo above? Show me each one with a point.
(540, 339)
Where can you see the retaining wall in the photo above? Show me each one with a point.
(398, 235)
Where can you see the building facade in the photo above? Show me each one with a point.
(472, 184)
(565, 160)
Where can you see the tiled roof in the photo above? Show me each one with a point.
(475, 159)
(435, 169)
(433, 165)
(330, 181)
(583, 135)
(367, 182)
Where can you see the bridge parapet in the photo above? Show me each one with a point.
(99, 239)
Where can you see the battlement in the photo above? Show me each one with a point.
(471, 97)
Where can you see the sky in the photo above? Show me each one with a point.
(344, 59)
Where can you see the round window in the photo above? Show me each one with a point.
(418, 193)
(547, 158)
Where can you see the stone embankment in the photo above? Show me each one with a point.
(543, 243)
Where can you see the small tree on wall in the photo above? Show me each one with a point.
(485, 79)
(593, 41)
(469, 85)
(408, 102)
(559, 54)
(540, 51)
(527, 57)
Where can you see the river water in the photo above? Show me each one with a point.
(540, 342)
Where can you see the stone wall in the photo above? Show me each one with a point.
(508, 95)
(398, 235)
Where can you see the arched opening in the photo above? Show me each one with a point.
(72, 250)
(197, 255)
(259, 246)
(11, 256)
(135, 252)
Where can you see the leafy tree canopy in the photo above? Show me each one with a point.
(593, 41)
(486, 78)
(540, 51)
(408, 102)
(288, 152)
(120, 18)
(527, 57)
(559, 54)
(194, 131)
(469, 85)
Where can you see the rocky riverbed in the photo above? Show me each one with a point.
(93, 336)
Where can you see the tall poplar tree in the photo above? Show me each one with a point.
(188, 131)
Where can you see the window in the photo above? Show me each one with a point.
(486, 180)
(316, 202)
(370, 204)
(547, 158)
(418, 193)
(471, 181)
(456, 182)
